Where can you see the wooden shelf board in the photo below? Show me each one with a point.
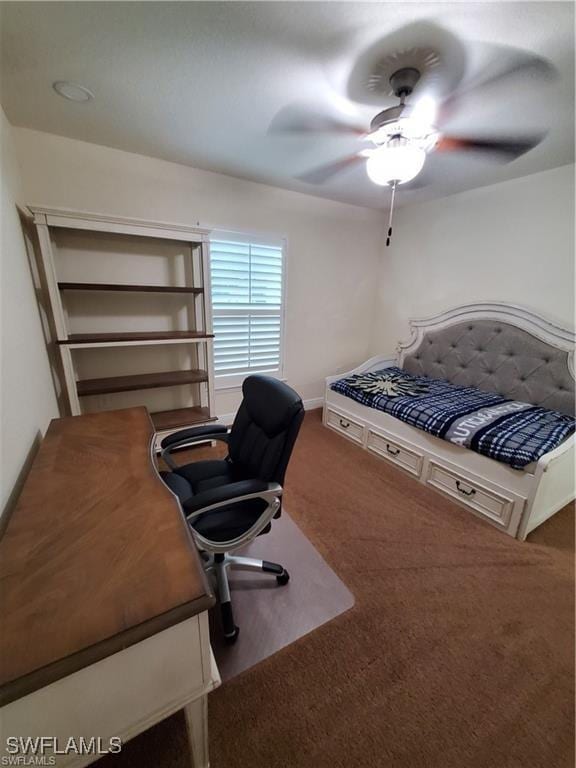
(129, 288)
(102, 338)
(139, 381)
(180, 417)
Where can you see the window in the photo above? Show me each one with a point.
(247, 298)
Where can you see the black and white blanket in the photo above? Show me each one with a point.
(506, 430)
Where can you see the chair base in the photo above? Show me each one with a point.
(218, 564)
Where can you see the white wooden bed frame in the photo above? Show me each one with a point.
(512, 500)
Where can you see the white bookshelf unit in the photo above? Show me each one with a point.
(131, 310)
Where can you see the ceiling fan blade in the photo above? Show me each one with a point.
(525, 68)
(507, 149)
(293, 119)
(323, 173)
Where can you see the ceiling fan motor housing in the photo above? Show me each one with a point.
(404, 80)
(390, 115)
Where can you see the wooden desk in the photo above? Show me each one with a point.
(103, 597)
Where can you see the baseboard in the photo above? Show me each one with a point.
(315, 402)
(309, 405)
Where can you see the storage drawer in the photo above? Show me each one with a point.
(398, 454)
(486, 501)
(345, 425)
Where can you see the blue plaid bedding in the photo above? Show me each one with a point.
(510, 431)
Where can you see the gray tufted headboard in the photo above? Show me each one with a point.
(496, 356)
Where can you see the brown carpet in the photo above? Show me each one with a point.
(458, 652)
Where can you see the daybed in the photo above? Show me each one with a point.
(497, 348)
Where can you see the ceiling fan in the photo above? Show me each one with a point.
(402, 136)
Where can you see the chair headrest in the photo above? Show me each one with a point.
(270, 403)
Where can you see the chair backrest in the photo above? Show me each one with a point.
(265, 428)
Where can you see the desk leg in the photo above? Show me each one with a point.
(197, 724)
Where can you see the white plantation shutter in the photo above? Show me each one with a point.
(247, 307)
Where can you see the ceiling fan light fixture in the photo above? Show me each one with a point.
(399, 163)
(418, 133)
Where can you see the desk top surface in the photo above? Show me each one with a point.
(96, 555)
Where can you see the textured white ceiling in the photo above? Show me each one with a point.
(199, 83)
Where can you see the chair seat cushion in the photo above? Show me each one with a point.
(177, 485)
(226, 523)
(203, 475)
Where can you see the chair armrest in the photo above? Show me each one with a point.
(230, 494)
(187, 437)
(216, 431)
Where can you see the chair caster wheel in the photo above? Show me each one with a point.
(231, 639)
(283, 578)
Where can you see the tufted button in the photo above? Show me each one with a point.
(452, 346)
(498, 330)
(546, 360)
(480, 349)
(470, 327)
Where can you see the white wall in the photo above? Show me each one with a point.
(28, 400)
(333, 249)
(348, 296)
(511, 242)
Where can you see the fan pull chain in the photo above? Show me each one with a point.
(389, 236)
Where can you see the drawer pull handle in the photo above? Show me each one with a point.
(344, 424)
(392, 451)
(471, 492)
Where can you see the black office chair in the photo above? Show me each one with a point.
(228, 502)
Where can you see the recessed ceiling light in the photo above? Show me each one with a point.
(72, 91)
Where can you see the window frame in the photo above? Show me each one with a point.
(234, 381)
